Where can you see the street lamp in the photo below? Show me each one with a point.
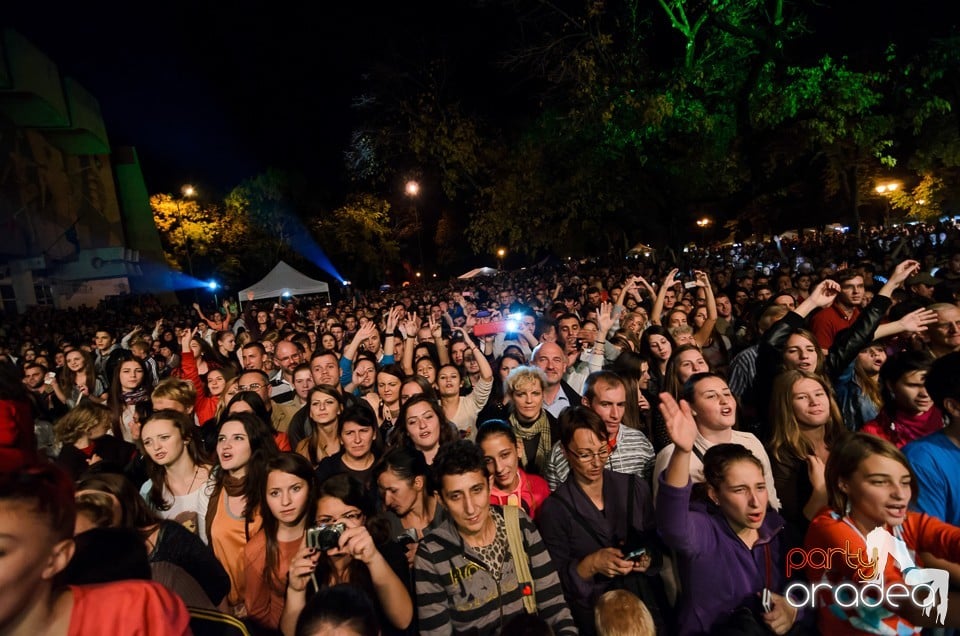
(886, 190)
(500, 254)
(188, 192)
(703, 224)
(413, 190)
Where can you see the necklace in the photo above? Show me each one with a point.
(189, 490)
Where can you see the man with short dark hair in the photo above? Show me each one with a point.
(844, 311)
(630, 450)
(467, 580)
(108, 354)
(252, 355)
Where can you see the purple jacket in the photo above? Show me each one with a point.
(718, 572)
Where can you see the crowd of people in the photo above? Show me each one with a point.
(640, 447)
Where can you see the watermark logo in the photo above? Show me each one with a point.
(925, 588)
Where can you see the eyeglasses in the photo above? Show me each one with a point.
(249, 387)
(354, 516)
(585, 457)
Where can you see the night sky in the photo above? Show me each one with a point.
(213, 95)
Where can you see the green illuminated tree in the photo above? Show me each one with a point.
(358, 234)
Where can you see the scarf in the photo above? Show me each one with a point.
(527, 431)
(134, 397)
(234, 487)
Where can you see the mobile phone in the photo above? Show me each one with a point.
(635, 555)
(690, 284)
(490, 328)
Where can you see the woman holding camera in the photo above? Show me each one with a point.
(346, 551)
(289, 494)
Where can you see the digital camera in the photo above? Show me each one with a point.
(326, 536)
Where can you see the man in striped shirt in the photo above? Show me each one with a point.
(467, 580)
(630, 450)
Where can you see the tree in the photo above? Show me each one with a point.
(358, 233)
(188, 229)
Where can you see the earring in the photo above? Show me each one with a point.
(693, 413)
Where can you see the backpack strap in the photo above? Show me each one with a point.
(511, 517)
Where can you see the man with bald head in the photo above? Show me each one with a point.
(551, 359)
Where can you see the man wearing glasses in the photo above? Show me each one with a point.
(286, 357)
(630, 450)
(257, 381)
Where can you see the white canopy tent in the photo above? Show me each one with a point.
(480, 271)
(284, 280)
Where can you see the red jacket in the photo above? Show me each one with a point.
(17, 438)
(532, 490)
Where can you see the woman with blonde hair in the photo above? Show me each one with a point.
(535, 427)
(622, 613)
(83, 433)
(806, 423)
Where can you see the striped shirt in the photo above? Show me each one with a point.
(456, 593)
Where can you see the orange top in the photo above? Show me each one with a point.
(265, 604)
(228, 536)
(127, 607)
(829, 531)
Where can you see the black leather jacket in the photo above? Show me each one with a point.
(846, 346)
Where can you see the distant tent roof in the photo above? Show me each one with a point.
(640, 248)
(284, 279)
(480, 271)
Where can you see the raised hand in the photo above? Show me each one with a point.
(605, 318)
(436, 330)
(825, 293)
(917, 321)
(679, 420)
(903, 271)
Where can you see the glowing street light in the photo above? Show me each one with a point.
(885, 190)
(888, 188)
(501, 252)
(188, 192)
(413, 189)
(703, 223)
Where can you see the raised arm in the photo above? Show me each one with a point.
(706, 330)
(410, 327)
(368, 330)
(486, 373)
(667, 283)
(436, 332)
(389, 338)
(683, 431)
